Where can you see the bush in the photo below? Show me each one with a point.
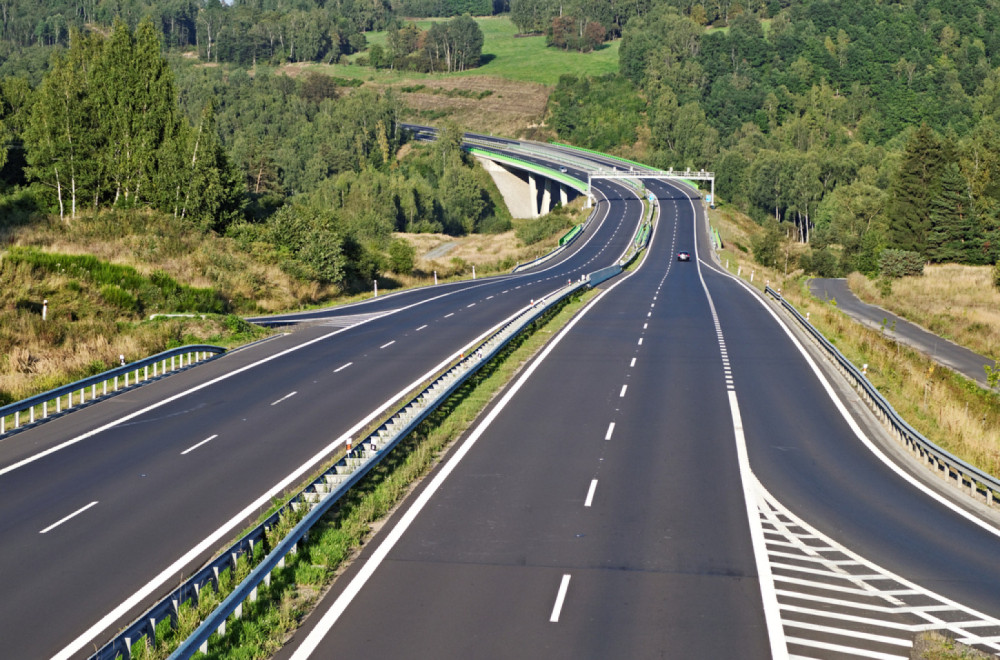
(900, 263)
(401, 256)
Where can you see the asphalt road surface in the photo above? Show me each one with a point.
(944, 352)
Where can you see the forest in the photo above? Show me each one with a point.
(856, 127)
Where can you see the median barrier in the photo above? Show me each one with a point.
(965, 477)
(318, 497)
(47, 405)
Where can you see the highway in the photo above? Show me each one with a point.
(107, 508)
(674, 477)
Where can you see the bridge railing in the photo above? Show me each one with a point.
(968, 478)
(34, 410)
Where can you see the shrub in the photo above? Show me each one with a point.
(401, 256)
(900, 263)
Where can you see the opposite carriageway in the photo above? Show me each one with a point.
(323, 382)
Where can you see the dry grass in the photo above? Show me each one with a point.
(951, 411)
(953, 301)
(507, 107)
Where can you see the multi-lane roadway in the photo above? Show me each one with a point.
(677, 475)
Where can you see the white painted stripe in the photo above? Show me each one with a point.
(287, 396)
(342, 367)
(883, 639)
(611, 429)
(472, 305)
(645, 326)
(447, 315)
(193, 447)
(640, 341)
(421, 327)
(813, 584)
(70, 516)
(491, 297)
(624, 387)
(388, 345)
(772, 614)
(560, 599)
(849, 650)
(590, 493)
(867, 606)
(312, 641)
(843, 616)
(632, 364)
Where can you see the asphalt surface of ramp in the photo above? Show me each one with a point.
(947, 353)
(600, 469)
(145, 486)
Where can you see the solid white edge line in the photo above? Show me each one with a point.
(287, 396)
(70, 516)
(769, 599)
(342, 367)
(590, 493)
(560, 599)
(193, 447)
(327, 621)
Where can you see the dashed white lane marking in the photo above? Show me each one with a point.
(611, 429)
(833, 602)
(421, 327)
(640, 341)
(622, 394)
(590, 493)
(69, 517)
(645, 326)
(447, 315)
(489, 297)
(342, 367)
(632, 364)
(388, 345)
(472, 305)
(560, 599)
(287, 396)
(193, 447)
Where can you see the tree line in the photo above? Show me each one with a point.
(455, 45)
(303, 172)
(859, 126)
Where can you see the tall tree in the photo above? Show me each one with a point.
(913, 188)
(954, 235)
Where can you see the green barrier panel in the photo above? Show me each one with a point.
(570, 234)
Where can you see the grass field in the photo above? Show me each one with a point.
(524, 59)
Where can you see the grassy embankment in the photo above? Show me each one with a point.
(296, 588)
(950, 410)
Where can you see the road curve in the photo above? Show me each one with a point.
(146, 485)
(946, 353)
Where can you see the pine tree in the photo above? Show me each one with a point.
(955, 235)
(913, 189)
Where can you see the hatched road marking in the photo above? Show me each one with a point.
(835, 603)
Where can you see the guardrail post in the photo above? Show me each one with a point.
(31, 416)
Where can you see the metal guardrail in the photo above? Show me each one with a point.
(320, 496)
(47, 405)
(966, 477)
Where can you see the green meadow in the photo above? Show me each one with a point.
(525, 59)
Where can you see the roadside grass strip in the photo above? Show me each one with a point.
(283, 601)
